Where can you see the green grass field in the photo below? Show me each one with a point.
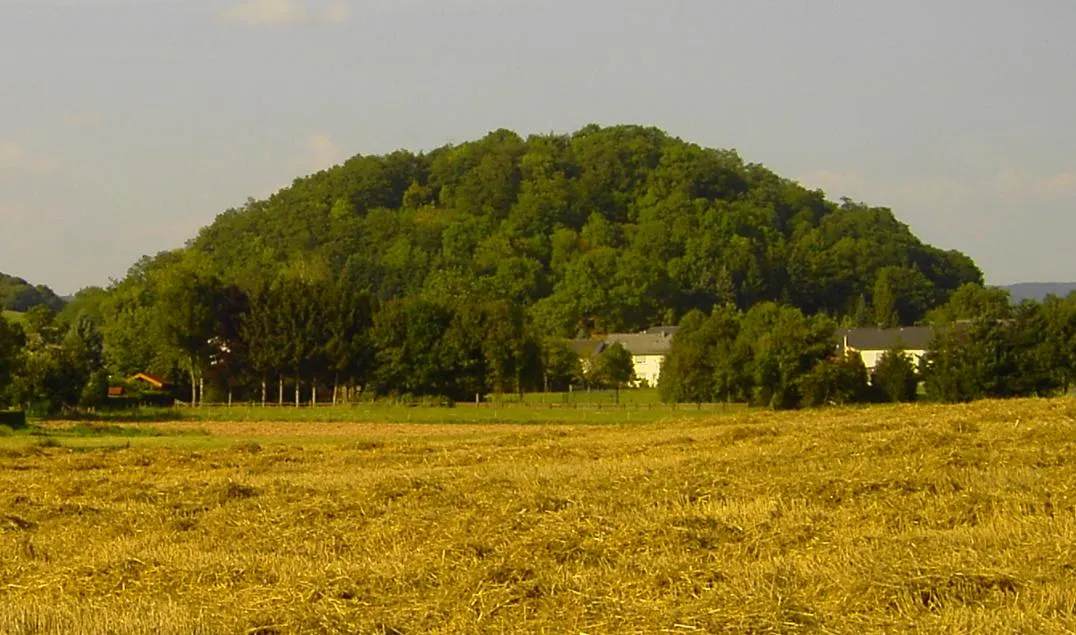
(531, 411)
(628, 396)
(13, 316)
(888, 519)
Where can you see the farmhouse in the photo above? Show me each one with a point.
(872, 343)
(648, 350)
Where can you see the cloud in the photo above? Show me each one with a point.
(337, 13)
(1062, 184)
(14, 157)
(1021, 185)
(322, 153)
(266, 12)
(85, 120)
(285, 12)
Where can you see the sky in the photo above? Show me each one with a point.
(126, 125)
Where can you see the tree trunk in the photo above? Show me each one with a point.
(229, 394)
(336, 387)
(297, 392)
(280, 390)
(194, 385)
(265, 389)
(314, 395)
(201, 390)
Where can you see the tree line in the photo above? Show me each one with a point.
(773, 355)
(281, 341)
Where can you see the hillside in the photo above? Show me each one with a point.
(1038, 290)
(19, 295)
(605, 229)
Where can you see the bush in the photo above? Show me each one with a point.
(14, 420)
(894, 378)
(835, 382)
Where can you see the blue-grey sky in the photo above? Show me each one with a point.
(125, 125)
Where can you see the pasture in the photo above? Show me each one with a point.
(905, 518)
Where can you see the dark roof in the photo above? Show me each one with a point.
(586, 349)
(641, 343)
(878, 339)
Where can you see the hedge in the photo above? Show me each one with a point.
(13, 419)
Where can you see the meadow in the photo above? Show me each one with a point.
(882, 519)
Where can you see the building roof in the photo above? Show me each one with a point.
(152, 380)
(667, 331)
(879, 339)
(586, 349)
(641, 343)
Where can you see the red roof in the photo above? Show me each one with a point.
(152, 380)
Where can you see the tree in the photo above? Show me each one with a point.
(348, 320)
(894, 378)
(973, 301)
(51, 370)
(187, 316)
(784, 345)
(95, 393)
(613, 367)
(561, 367)
(1059, 338)
(11, 343)
(408, 336)
(704, 362)
(835, 381)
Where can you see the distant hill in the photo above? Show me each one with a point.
(610, 229)
(19, 295)
(1038, 290)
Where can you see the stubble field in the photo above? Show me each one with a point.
(913, 518)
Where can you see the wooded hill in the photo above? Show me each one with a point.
(606, 229)
(458, 272)
(19, 295)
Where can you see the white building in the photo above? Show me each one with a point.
(872, 343)
(648, 351)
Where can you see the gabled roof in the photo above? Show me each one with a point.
(667, 331)
(152, 380)
(586, 349)
(641, 343)
(879, 339)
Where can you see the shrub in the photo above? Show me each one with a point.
(835, 381)
(894, 378)
(14, 420)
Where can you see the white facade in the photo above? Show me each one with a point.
(647, 368)
(872, 357)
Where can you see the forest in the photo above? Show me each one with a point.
(18, 295)
(464, 270)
